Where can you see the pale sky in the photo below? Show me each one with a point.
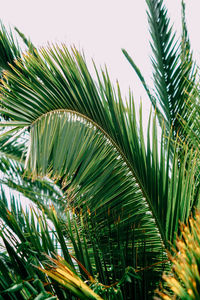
(101, 28)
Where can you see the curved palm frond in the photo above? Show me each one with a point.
(56, 80)
(94, 174)
(91, 152)
(81, 133)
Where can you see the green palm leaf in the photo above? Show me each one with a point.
(9, 49)
(61, 81)
(174, 71)
(12, 158)
(78, 144)
(83, 136)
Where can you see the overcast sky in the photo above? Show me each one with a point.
(101, 28)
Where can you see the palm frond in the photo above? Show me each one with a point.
(174, 75)
(183, 280)
(31, 48)
(61, 272)
(61, 81)
(174, 70)
(9, 49)
(95, 158)
(84, 136)
(26, 237)
(13, 149)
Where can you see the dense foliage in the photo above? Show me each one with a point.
(106, 197)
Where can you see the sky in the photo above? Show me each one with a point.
(101, 28)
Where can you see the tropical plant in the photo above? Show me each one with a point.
(184, 280)
(116, 198)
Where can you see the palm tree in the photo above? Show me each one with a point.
(121, 195)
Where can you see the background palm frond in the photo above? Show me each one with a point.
(174, 70)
